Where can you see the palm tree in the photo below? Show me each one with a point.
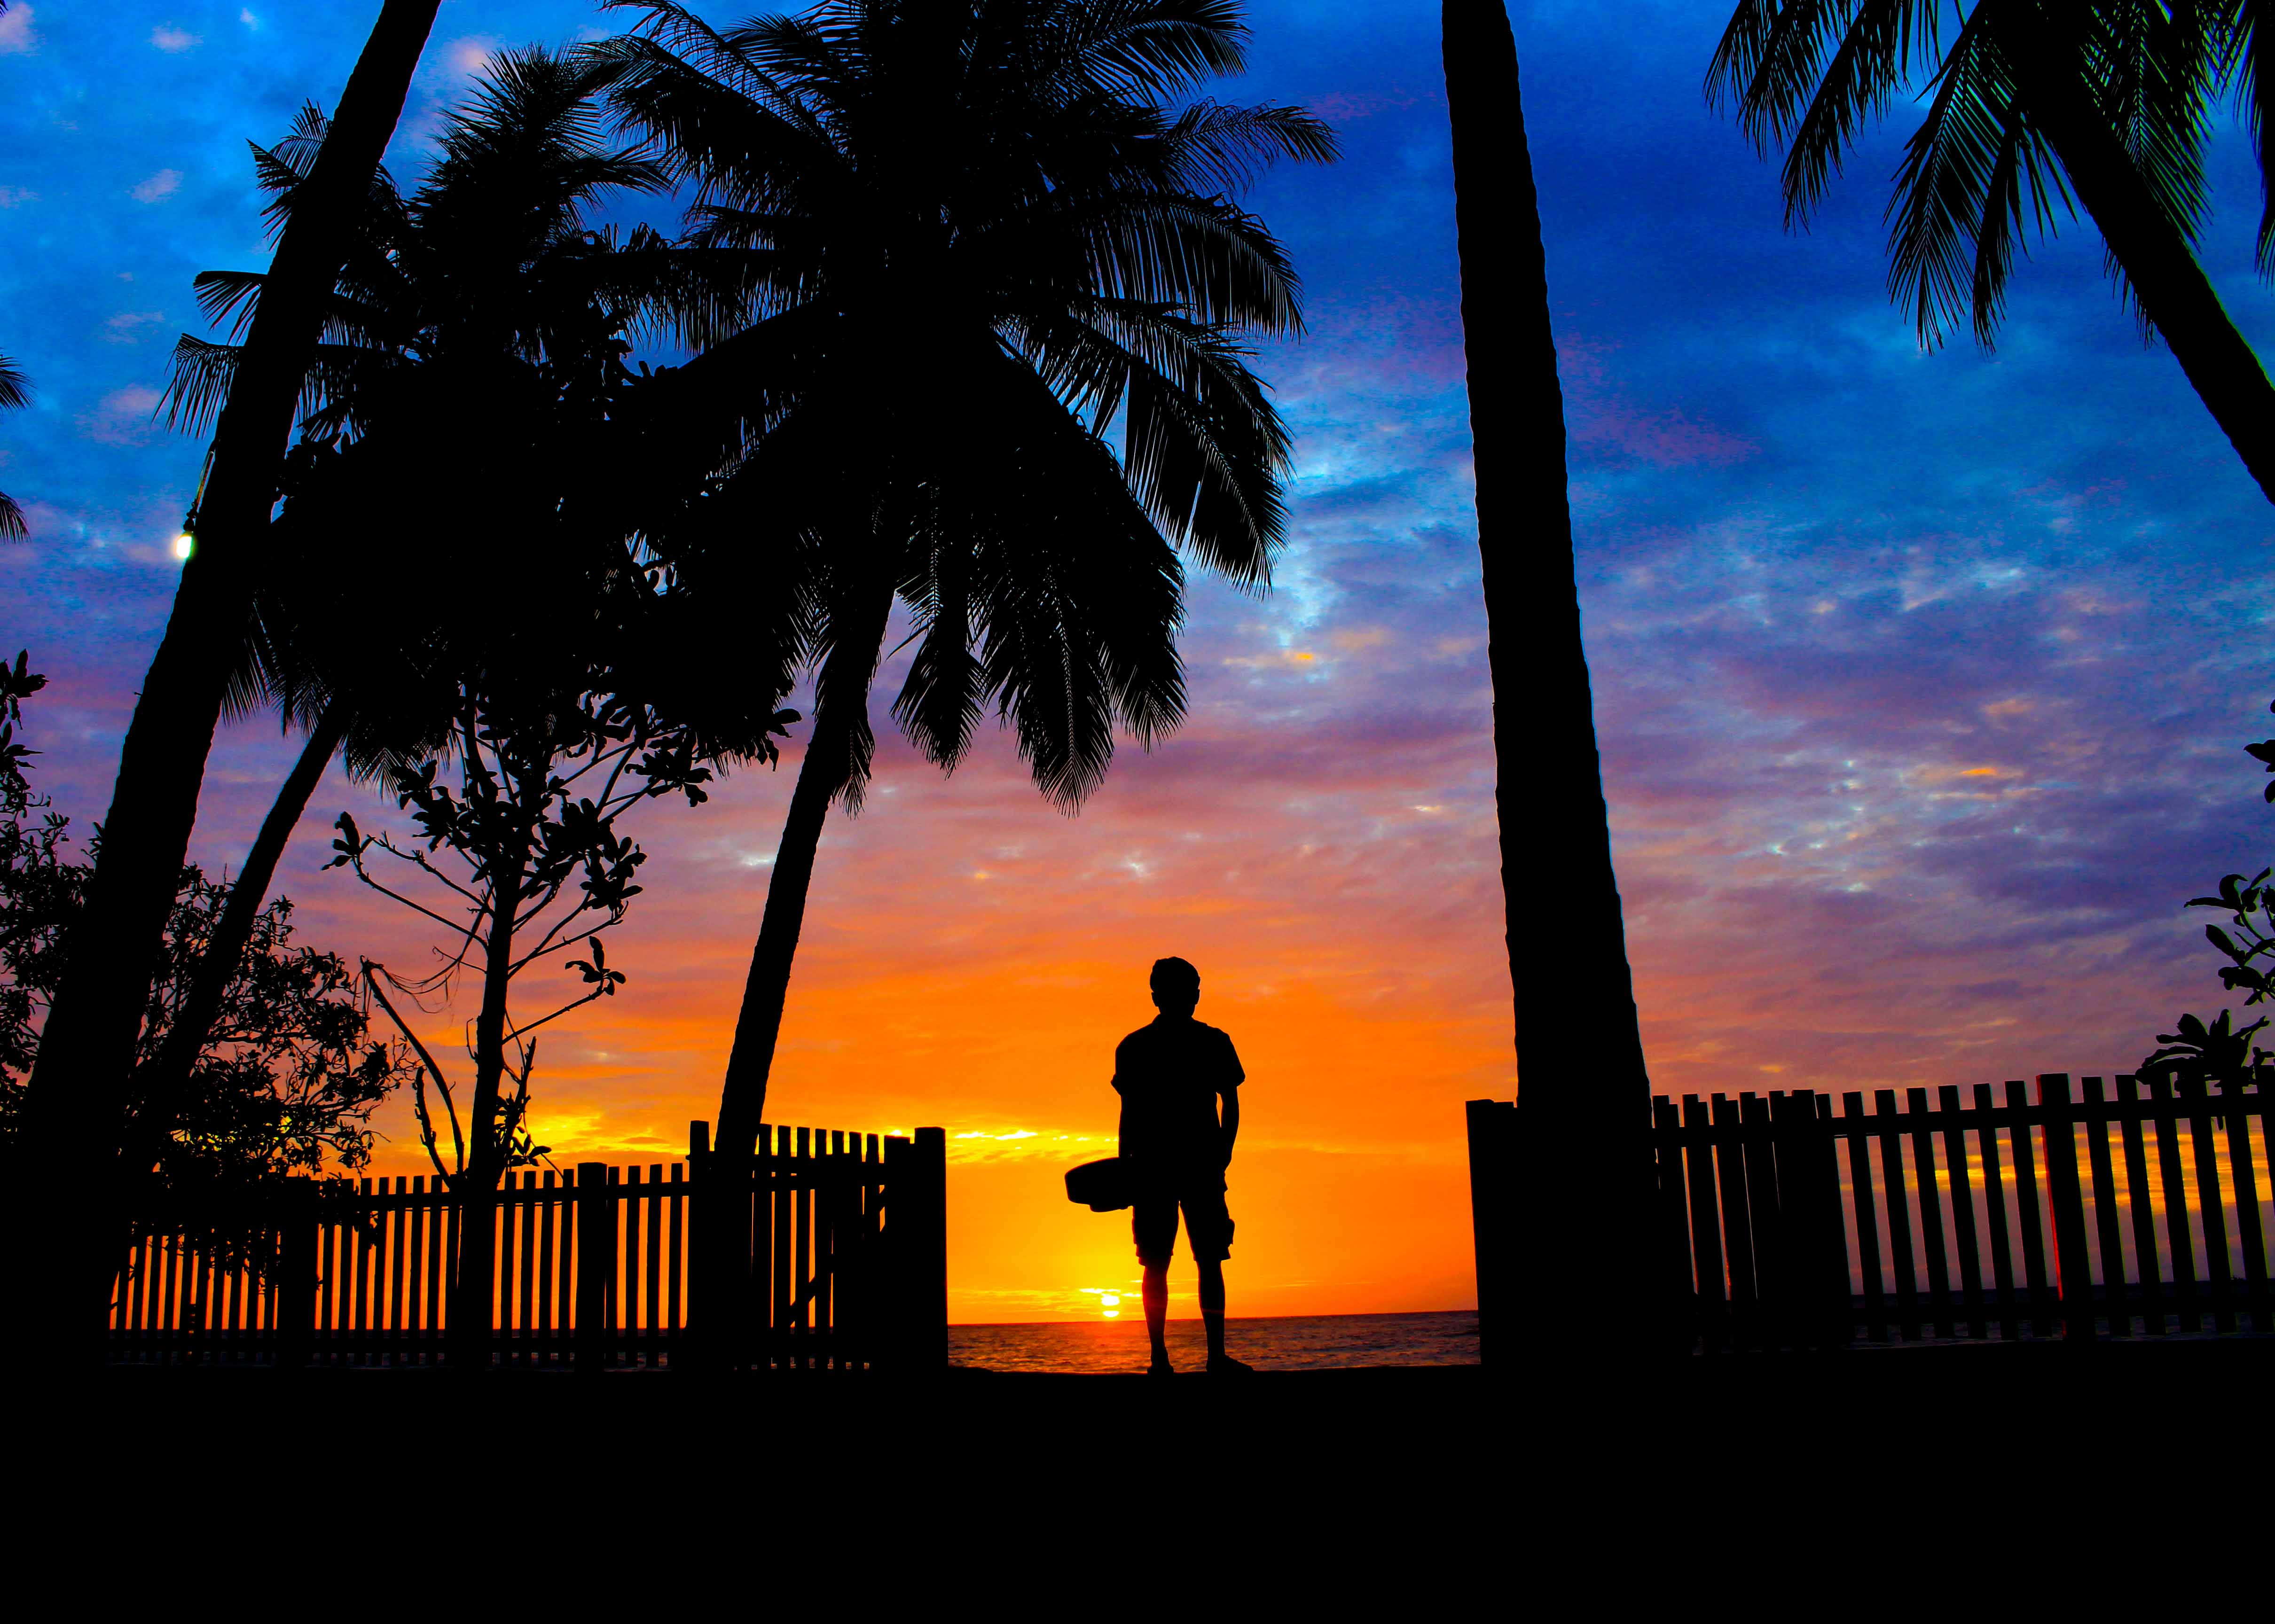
(472, 376)
(2031, 102)
(974, 246)
(1584, 1091)
(494, 262)
(73, 1101)
(15, 395)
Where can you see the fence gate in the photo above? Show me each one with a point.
(827, 1249)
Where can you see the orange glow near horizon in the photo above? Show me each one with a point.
(1365, 1009)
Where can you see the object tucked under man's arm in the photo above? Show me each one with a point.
(1231, 1119)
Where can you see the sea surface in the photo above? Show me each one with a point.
(1314, 1342)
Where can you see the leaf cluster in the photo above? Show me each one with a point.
(2219, 1052)
(286, 1081)
(1979, 172)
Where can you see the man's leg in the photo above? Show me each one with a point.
(1156, 1293)
(1213, 1304)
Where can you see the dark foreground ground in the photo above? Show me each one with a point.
(1780, 1484)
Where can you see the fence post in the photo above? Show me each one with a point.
(1493, 1129)
(295, 1330)
(714, 1294)
(2073, 1268)
(928, 1301)
(1812, 1238)
(596, 1262)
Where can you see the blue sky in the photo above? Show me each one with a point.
(1922, 678)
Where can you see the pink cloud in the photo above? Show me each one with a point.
(17, 37)
(122, 417)
(159, 187)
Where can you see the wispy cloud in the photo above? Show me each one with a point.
(17, 37)
(174, 41)
(122, 417)
(159, 187)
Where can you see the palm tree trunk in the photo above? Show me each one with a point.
(1585, 1092)
(840, 734)
(2165, 276)
(246, 897)
(74, 1100)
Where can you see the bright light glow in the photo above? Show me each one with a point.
(1107, 1299)
(1114, 1313)
(182, 545)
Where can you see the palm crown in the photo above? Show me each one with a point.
(471, 373)
(953, 254)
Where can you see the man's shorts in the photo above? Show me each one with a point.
(1208, 1226)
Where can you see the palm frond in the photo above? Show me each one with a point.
(2151, 67)
(1863, 71)
(1961, 190)
(1148, 50)
(1212, 148)
(2243, 45)
(15, 390)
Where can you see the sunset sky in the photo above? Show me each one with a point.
(1922, 679)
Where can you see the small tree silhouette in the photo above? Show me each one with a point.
(284, 1078)
(2217, 1052)
(516, 833)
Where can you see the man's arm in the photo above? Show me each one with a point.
(1234, 1074)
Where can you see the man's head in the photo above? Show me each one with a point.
(1176, 987)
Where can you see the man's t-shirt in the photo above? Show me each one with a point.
(1169, 1075)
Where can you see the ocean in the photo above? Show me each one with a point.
(1308, 1342)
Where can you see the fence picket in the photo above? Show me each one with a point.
(2210, 1207)
(656, 1329)
(2178, 1235)
(2106, 1229)
(1962, 1208)
(2029, 1209)
(2247, 1235)
(1995, 1206)
(1685, 1300)
(2267, 1134)
(1705, 1225)
(1868, 1229)
(1737, 1223)
(2066, 1202)
(675, 1311)
(2143, 1208)
(396, 1220)
(1890, 1131)
(1933, 1248)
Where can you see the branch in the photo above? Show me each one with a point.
(599, 992)
(452, 926)
(457, 1138)
(548, 942)
(427, 1124)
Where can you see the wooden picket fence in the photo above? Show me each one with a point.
(824, 1251)
(1781, 1222)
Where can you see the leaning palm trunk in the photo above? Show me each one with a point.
(247, 895)
(1584, 1091)
(75, 1098)
(2171, 286)
(169, 1078)
(836, 752)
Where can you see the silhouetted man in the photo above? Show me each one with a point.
(1170, 1076)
